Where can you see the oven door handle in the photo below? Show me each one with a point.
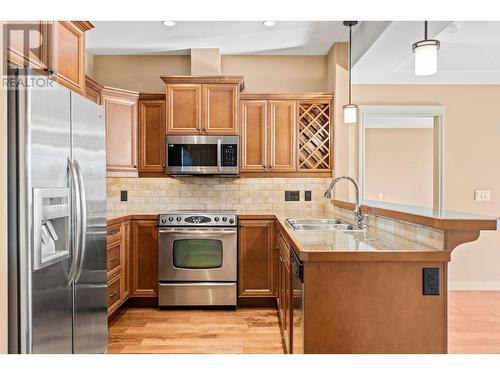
(198, 231)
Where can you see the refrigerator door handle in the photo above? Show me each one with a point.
(83, 220)
(76, 243)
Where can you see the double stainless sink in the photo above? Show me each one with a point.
(322, 224)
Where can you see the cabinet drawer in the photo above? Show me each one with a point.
(114, 294)
(114, 233)
(114, 257)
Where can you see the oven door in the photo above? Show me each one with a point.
(197, 254)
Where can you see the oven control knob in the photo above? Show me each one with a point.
(170, 218)
(178, 218)
(216, 219)
(224, 219)
(231, 221)
(163, 220)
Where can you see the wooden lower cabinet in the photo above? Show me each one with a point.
(144, 258)
(284, 293)
(118, 265)
(256, 263)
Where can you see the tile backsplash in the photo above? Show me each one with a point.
(246, 195)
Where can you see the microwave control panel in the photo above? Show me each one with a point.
(229, 155)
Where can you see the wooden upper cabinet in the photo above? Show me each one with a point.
(203, 104)
(93, 90)
(121, 131)
(26, 45)
(152, 133)
(184, 108)
(220, 108)
(144, 258)
(256, 262)
(68, 54)
(56, 47)
(282, 135)
(254, 135)
(286, 134)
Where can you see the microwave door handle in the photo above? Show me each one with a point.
(219, 156)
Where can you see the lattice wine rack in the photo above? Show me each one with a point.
(314, 136)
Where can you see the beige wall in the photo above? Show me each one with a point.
(3, 210)
(399, 165)
(262, 73)
(278, 73)
(472, 154)
(139, 73)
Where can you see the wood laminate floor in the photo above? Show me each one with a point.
(474, 322)
(150, 330)
(473, 327)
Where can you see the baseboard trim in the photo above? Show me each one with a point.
(494, 285)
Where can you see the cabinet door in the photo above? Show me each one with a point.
(220, 109)
(255, 271)
(152, 136)
(184, 109)
(121, 132)
(254, 135)
(27, 44)
(125, 272)
(144, 258)
(287, 319)
(282, 129)
(67, 55)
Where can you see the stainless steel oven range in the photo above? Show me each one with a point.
(197, 258)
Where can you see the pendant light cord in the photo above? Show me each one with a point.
(350, 61)
(425, 30)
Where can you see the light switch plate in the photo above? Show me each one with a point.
(482, 195)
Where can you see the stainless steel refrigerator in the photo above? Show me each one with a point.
(57, 219)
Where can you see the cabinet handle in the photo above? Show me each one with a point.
(113, 295)
(114, 259)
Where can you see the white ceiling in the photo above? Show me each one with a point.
(231, 37)
(469, 54)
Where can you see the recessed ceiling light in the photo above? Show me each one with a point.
(169, 23)
(269, 23)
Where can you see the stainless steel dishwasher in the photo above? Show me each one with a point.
(297, 303)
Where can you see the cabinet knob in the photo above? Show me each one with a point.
(113, 259)
(112, 295)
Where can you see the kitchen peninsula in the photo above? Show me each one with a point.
(363, 292)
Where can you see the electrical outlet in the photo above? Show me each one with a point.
(307, 195)
(380, 196)
(123, 196)
(292, 195)
(482, 195)
(430, 278)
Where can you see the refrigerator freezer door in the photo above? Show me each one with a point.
(44, 128)
(90, 300)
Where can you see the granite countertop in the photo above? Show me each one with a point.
(370, 245)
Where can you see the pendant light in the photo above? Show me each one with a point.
(350, 110)
(426, 55)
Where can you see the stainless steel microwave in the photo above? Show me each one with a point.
(202, 155)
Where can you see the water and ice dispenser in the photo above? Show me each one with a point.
(51, 226)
